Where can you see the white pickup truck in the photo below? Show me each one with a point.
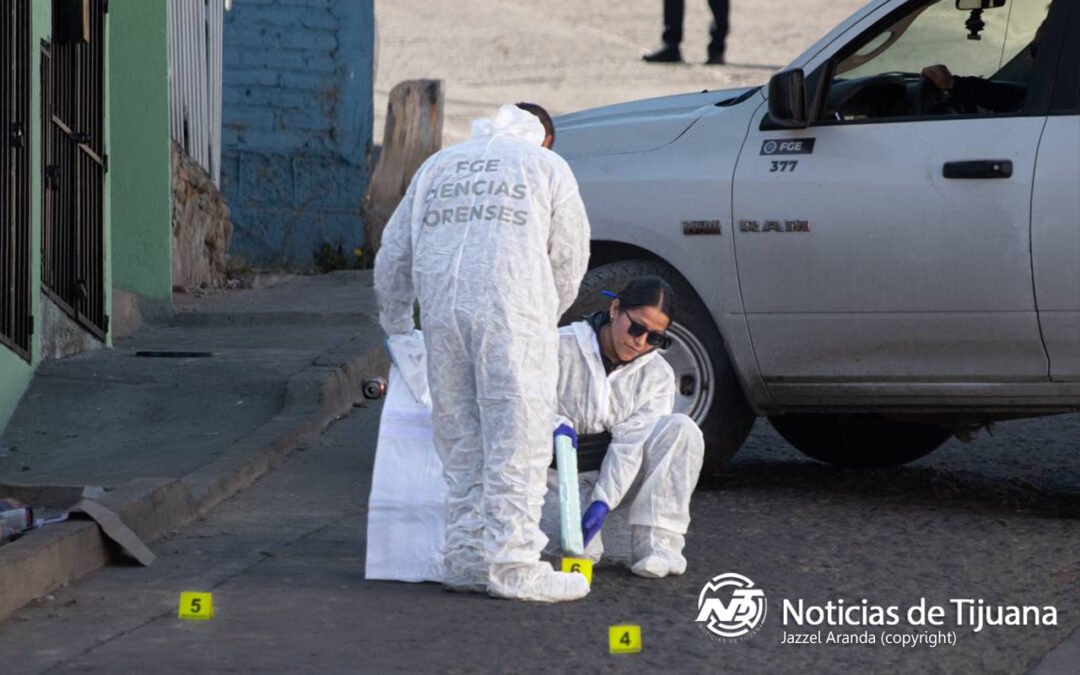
(872, 257)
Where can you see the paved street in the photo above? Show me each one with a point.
(995, 519)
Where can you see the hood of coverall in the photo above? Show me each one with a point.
(513, 121)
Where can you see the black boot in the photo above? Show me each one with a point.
(669, 53)
(715, 59)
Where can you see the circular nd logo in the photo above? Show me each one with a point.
(729, 606)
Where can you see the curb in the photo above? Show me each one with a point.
(45, 560)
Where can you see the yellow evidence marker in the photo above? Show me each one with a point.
(196, 606)
(583, 565)
(624, 639)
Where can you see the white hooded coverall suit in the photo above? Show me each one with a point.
(655, 456)
(492, 238)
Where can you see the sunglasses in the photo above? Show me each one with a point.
(655, 338)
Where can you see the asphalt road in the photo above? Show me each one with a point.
(993, 520)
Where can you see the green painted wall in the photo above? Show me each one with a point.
(137, 100)
(14, 378)
(139, 162)
(15, 373)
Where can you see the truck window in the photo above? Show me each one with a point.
(938, 60)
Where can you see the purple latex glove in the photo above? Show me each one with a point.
(568, 431)
(593, 520)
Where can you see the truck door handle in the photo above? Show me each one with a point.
(978, 168)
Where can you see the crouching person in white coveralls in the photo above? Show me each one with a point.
(613, 381)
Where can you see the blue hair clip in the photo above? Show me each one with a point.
(609, 294)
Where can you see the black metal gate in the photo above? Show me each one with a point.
(74, 159)
(16, 324)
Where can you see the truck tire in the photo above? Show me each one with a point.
(706, 386)
(859, 440)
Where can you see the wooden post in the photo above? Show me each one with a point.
(413, 133)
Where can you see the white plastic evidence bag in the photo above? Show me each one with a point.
(407, 507)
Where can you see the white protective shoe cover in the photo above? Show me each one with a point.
(657, 552)
(537, 582)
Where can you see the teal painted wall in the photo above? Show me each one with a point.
(139, 161)
(297, 124)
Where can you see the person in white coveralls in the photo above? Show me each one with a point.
(492, 238)
(614, 382)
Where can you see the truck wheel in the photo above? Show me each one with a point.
(859, 440)
(706, 386)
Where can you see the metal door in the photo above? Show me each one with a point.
(73, 139)
(16, 324)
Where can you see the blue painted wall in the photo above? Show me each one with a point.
(297, 123)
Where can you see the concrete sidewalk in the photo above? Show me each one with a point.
(179, 417)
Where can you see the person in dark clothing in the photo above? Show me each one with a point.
(970, 92)
(673, 33)
(967, 93)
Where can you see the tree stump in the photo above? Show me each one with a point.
(413, 133)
